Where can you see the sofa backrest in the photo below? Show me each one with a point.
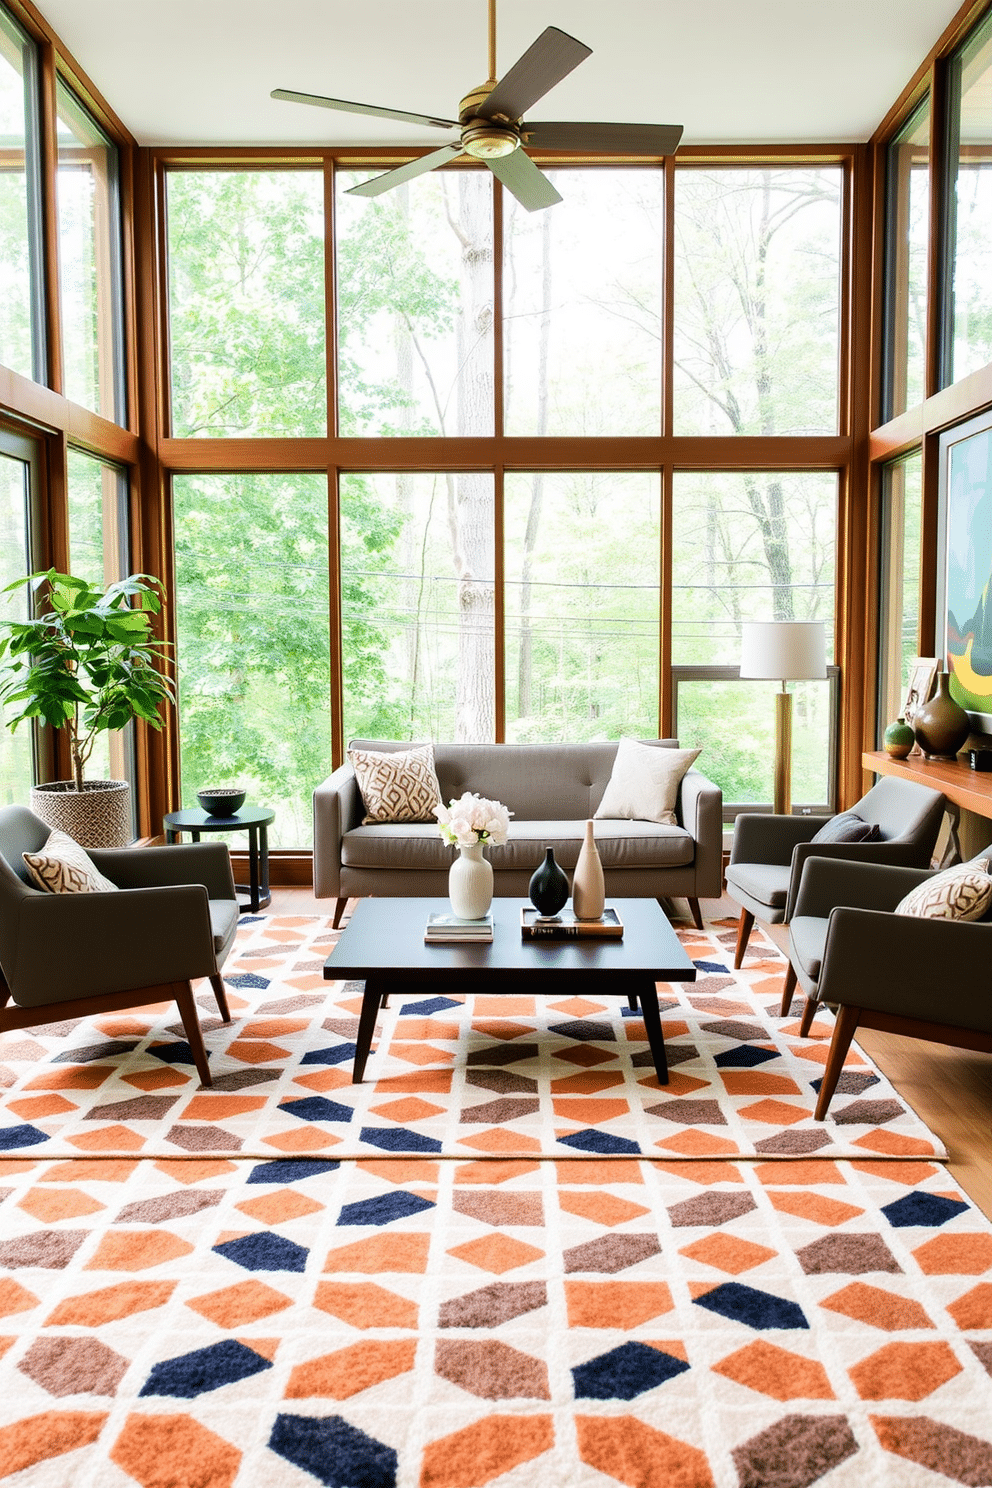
(537, 782)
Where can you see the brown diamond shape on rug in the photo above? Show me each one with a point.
(204, 1139)
(494, 1304)
(793, 1143)
(587, 1055)
(74, 1366)
(502, 1054)
(868, 1113)
(954, 1454)
(142, 1108)
(169, 1206)
(244, 1079)
(492, 1370)
(983, 1353)
(50, 1249)
(675, 1054)
(588, 1028)
(794, 1452)
(504, 1081)
(610, 1253)
(498, 1208)
(346, 1028)
(849, 1255)
(728, 1028)
(690, 1112)
(291, 1004)
(500, 1111)
(710, 1209)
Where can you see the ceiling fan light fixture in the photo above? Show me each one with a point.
(488, 141)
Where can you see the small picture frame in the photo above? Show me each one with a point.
(921, 679)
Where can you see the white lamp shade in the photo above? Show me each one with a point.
(783, 650)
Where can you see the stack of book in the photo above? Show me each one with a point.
(564, 926)
(448, 929)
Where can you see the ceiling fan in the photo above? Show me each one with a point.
(492, 128)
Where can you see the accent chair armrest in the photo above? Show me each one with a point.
(206, 863)
(828, 882)
(702, 816)
(337, 807)
(896, 854)
(761, 837)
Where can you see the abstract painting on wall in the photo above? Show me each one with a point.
(965, 605)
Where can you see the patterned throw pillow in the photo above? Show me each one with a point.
(63, 867)
(960, 893)
(400, 786)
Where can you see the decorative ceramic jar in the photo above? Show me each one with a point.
(588, 883)
(470, 883)
(548, 886)
(898, 739)
(941, 725)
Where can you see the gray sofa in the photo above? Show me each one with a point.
(552, 789)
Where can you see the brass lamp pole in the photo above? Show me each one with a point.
(785, 651)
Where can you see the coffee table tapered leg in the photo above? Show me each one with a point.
(375, 994)
(648, 994)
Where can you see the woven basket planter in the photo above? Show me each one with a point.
(97, 816)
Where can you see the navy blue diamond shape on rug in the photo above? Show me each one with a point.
(744, 1056)
(744, 1304)
(317, 1108)
(177, 1053)
(384, 1208)
(204, 1369)
(919, 1208)
(399, 1139)
(247, 979)
(334, 1452)
(13, 1137)
(711, 966)
(430, 1005)
(252, 919)
(264, 1251)
(291, 1169)
(625, 1372)
(592, 1140)
(337, 1054)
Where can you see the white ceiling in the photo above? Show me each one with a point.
(200, 71)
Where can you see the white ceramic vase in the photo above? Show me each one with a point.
(470, 883)
(588, 884)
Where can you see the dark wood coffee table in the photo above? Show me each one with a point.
(383, 945)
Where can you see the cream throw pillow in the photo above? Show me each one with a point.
(645, 782)
(399, 786)
(63, 867)
(960, 893)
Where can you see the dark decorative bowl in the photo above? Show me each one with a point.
(224, 801)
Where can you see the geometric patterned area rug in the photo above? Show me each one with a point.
(454, 1076)
(425, 1324)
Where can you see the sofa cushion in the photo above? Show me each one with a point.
(644, 785)
(960, 893)
(633, 844)
(397, 786)
(63, 867)
(767, 883)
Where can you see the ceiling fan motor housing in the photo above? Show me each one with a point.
(486, 139)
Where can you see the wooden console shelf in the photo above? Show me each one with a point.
(969, 789)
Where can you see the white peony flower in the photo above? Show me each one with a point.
(473, 819)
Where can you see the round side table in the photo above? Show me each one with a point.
(251, 819)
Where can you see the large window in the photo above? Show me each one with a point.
(22, 344)
(969, 296)
(907, 240)
(899, 628)
(16, 749)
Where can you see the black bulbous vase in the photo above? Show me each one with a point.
(548, 886)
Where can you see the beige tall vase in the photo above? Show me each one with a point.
(588, 884)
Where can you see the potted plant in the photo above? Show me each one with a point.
(90, 663)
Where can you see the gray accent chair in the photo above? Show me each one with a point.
(552, 789)
(73, 955)
(926, 979)
(768, 852)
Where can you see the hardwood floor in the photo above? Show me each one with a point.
(949, 1089)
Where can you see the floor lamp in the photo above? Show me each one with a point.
(785, 651)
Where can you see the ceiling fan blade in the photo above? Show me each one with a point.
(287, 95)
(619, 139)
(408, 172)
(520, 175)
(550, 58)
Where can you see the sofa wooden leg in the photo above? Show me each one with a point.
(809, 1013)
(695, 911)
(183, 993)
(340, 905)
(220, 993)
(847, 1021)
(744, 927)
(788, 987)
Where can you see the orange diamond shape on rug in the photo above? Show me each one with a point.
(50, 1205)
(280, 1207)
(775, 1113)
(678, 1083)
(256, 1051)
(98, 1170)
(775, 1174)
(498, 1139)
(757, 1082)
(404, 1252)
(51, 1434)
(906, 1173)
(211, 1107)
(421, 1054)
(425, 1028)
(776, 1372)
(109, 1139)
(307, 983)
(137, 1251)
(887, 1141)
(401, 1170)
(587, 1083)
(195, 1171)
(817, 1054)
(110, 1304)
(158, 1451)
(246, 1302)
(365, 1305)
(707, 1174)
(494, 1172)
(305, 1139)
(35, 1106)
(77, 1077)
(728, 1253)
(615, 1304)
(415, 1082)
(124, 1027)
(273, 1028)
(631, 1452)
(601, 1208)
(816, 1031)
(955, 1255)
(500, 1028)
(874, 1305)
(635, 1031)
(410, 1109)
(491, 1447)
(14, 1297)
(697, 1144)
(814, 1207)
(585, 1054)
(330, 1079)
(486, 1006)
(589, 1112)
(577, 1007)
(156, 1079)
(974, 1309)
(905, 1371)
(349, 1371)
(497, 1253)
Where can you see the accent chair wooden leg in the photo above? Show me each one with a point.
(744, 927)
(220, 993)
(632, 1001)
(694, 910)
(788, 987)
(340, 906)
(848, 1019)
(809, 1013)
(183, 993)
